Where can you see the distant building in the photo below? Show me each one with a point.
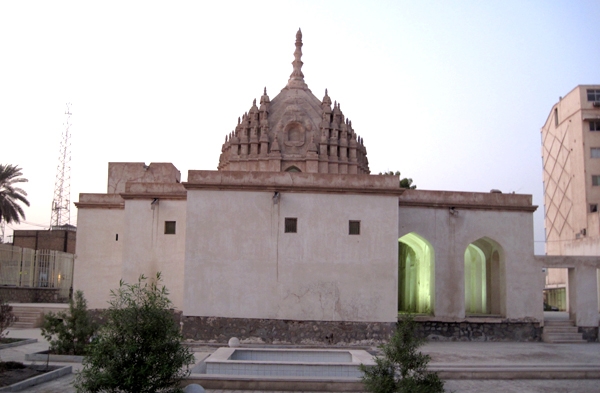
(571, 161)
(58, 239)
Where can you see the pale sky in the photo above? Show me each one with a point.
(451, 93)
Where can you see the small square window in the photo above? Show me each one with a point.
(354, 227)
(291, 225)
(593, 207)
(595, 152)
(595, 180)
(594, 125)
(170, 227)
(593, 95)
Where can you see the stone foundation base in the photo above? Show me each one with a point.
(480, 331)
(589, 334)
(274, 331)
(31, 295)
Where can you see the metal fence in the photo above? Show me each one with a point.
(24, 267)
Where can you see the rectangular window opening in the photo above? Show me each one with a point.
(595, 152)
(170, 227)
(595, 180)
(593, 207)
(594, 125)
(593, 95)
(354, 227)
(291, 225)
(117, 237)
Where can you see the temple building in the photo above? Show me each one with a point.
(292, 240)
(296, 132)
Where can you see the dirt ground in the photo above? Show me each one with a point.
(14, 375)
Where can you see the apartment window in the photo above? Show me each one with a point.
(354, 227)
(594, 125)
(595, 152)
(593, 207)
(593, 95)
(595, 180)
(291, 225)
(170, 227)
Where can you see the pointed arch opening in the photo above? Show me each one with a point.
(293, 168)
(416, 260)
(484, 278)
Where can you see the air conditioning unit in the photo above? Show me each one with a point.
(596, 104)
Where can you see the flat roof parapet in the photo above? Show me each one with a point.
(100, 201)
(136, 190)
(293, 181)
(467, 200)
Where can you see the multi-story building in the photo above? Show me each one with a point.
(571, 161)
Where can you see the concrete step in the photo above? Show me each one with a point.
(556, 338)
(517, 371)
(27, 314)
(27, 309)
(559, 323)
(28, 317)
(22, 325)
(561, 332)
(565, 329)
(562, 338)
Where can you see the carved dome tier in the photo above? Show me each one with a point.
(294, 132)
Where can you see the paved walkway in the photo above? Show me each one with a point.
(442, 354)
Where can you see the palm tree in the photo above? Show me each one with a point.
(10, 195)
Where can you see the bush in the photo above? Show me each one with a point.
(402, 368)
(69, 333)
(7, 318)
(139, 347)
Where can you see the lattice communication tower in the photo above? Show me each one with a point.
(61, 213)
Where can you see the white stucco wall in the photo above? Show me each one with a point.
(98, 255)
(148, 250)
(241, 264)
(450, 234)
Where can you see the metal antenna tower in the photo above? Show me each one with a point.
(61, 213)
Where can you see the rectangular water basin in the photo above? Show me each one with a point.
(288, 362)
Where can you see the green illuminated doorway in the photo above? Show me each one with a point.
(415, 274)
(484, 275)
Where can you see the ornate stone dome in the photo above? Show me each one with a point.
(294, 132)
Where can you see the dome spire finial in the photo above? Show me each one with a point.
(297, 78)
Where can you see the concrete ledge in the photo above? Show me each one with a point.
(467, 200)
(22, 341)
(293, 182)
(231, 382)
(516, 371)
(45, 356)
(49, 376)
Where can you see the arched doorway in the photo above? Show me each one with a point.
(484, 277)
(415, 274)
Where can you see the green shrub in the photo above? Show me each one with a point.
(139, 347)
(69, 333)
(402, 368)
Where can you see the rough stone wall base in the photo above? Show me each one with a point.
(31, 295)
(480, 331)
(275, 331)
(589, 334)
